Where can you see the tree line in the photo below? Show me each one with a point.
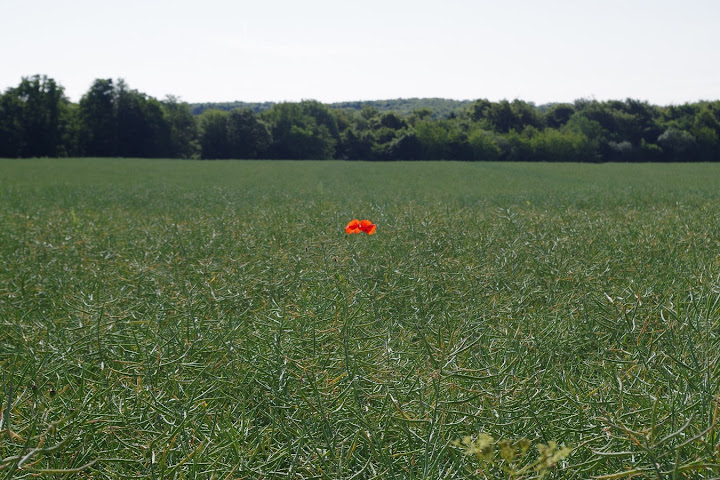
(113, 120)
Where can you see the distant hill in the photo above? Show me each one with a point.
(440, 107)
(198, 108)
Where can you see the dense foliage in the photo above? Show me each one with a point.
(38, 120)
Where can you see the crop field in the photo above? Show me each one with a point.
(184, 319)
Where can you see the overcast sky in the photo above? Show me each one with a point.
(662, 51)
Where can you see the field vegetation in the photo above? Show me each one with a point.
(185, 319)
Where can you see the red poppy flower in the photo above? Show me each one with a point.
(357, 226)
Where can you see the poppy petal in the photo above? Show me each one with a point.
(353, 226)
(367, 226)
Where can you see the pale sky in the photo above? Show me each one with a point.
(662, 51)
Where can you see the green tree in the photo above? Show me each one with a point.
(323, 116)
(392, 121)
(97, 119)
(420, 114)
(71, 145)
(118, 121)
(357, 144)
(34, 118)
(706, 130)
(679, 145)
(631, 121)
(11, 125)
(444, 140)
(480, 110)
(558, 114)
(597, 137)
(643, 123)
(679, 116)
(433, 139)
(551, 145)
(213, 134)
(406, 146)
(247, 136)
(502, 118)
(484, 144)
(302, 130)
(516, 115)
(141, 127)
(183, 139)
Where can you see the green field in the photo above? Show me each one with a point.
(186, 319)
